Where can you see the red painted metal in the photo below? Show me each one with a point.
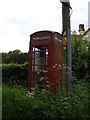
(45, 60)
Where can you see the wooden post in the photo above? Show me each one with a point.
(66, 55)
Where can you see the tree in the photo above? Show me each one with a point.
(15, 56)
(79, 56)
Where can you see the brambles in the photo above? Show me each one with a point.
(17, 103)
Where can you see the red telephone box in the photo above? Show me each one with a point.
(45, 60)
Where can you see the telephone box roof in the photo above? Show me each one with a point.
(47, 31)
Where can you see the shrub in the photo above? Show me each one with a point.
(13, 74)
(80, 57)
(45, 105)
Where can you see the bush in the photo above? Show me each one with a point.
(17, 104)
(15, 74)
(80, 57)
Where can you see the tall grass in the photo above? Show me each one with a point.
(17, 104)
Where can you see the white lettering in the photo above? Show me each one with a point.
(56, 38)
(41, 38)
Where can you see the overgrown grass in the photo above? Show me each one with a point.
(17, 104)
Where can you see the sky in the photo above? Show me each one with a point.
(20, 18)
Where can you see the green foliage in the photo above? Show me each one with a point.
(44, 105)
(13, 74)
(89, 60)
(15, 56)
(80, 57)
(18, 104)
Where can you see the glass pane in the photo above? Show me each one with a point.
(39, 61)
(39, 64)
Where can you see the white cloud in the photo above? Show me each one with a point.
(80, 13)
(20, 18)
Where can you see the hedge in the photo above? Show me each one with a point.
(15, 74)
